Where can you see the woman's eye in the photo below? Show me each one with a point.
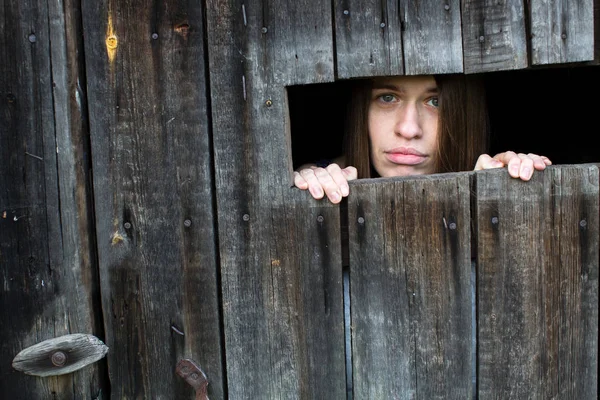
(387, 98)
(434, 102)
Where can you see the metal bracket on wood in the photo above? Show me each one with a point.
(188, 370)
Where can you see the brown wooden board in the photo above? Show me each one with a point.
(494, 35)
(537, 284)
(146, 72)
(410, 271)
(562, 31)
(46, 263)
(368, 39)
(431, 34)
(280, 262)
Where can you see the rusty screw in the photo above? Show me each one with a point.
(58, 358)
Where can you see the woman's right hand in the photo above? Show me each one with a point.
(331, 181)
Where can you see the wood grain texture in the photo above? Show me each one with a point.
(410, 269)
(368, 38)
(432, 37)
(46, 254)
(280, 262)
(538, 284)
(494, 35)
(562, 31)
(152, 161)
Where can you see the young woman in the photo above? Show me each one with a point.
(413, 125)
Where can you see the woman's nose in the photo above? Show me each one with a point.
(408, 123)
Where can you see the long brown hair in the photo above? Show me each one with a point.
(463, 125)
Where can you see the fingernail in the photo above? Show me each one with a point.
(335, 196)
(527, 172)
(514, 170)
(345, 190)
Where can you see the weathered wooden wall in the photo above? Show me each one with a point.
(145, 197)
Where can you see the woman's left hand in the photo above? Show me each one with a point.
(519, 165)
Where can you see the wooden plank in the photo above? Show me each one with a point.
(410, 269)
(152, 184)
(432, 37)
(46, 260)
(281, 267)
(562, 31)
(368, 39)
(538, 284)
(494, 35)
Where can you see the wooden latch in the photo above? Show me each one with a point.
(61, 355)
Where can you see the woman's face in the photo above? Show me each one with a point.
(403, 125)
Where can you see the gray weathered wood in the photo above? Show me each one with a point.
(61, 355)
(46, 257)
(431, 34)
(538, 284)
(368, 40)
(562, 31)
(149, 123)
(280, 262)
(494, 35)
(410, 268)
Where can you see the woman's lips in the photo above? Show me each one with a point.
(405, 156)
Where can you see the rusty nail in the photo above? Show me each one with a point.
(246, 217)
(269, 103)
(58, 358)
(127, 225)
(187, 223)
(320, 218)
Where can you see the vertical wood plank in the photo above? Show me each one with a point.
(562, 31)
(410, 270)
(432, 37)
(46, 259)
(494, 35)
(152, 183)
(281, 267)
(538, 284)
(368, 39)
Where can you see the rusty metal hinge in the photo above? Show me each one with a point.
(188, 370)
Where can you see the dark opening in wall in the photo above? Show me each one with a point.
(317, 115)
(550, 111)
